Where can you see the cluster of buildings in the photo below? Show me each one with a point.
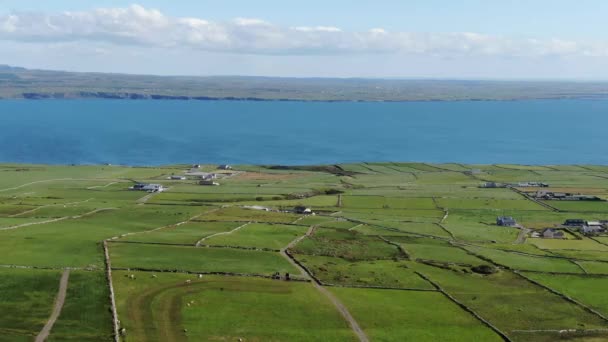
(564, 196)
(549, 233)
(515, 185)
(148, 187)
(587, 227)
(583, 226)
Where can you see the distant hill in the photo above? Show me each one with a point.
(20, 83)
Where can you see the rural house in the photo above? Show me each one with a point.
(208, 182)
(148, 187)
(551, 233)
(302, 210)
(225, 167)
(506, 221)
(574, 222)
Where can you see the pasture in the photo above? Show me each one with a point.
(393, 252)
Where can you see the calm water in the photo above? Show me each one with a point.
(163, 132)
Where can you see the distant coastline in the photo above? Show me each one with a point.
(157, 97)
(20, 83)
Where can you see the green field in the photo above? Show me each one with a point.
(401, 252)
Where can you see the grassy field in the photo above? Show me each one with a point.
(86, 313)
(389, 315)
(26, 301)
(192, 259)
(224, 309)
(382, 239)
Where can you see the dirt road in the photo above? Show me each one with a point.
(59, 301)
(333, 299)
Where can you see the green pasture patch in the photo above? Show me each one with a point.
(393, 315)
(385, 273)
(568, 168)
(416, 228)
(436, 250)
(338, 224)
(492, 204)
(14, 209)
(86, 314)
(583, 255)
(188, 233)
(584, 244)
(346, 244)
(453, 167)
(400, 215)
(248, 215)
(501, 175)
(193, 259)
(26, 301)
(357, 168)
(580, 206)
(258, 235)
(314, 220)
(525, 167)
(321, 201)
(384, 168)
(525, 262)
(446, 177)
(377, 202)
(418, 166)
(510, 302)
(439, 191)
(200, 198)
(77, 242)
(166, 308)
(367, 229)
(7, 222)
(594, 267)
(588, 290)
(480, 232)
(383, 181)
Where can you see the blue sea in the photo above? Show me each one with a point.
(295, 133)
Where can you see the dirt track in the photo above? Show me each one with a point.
(334, 300)
(59, 301)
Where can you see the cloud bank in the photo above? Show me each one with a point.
(136, 25)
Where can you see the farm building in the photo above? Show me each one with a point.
(302, 210)
(593, 228)
(209, 176)
(561, 196)
(506, 221)
(148, 187)
(208, 182)
(531, 185)
(574, 222)
(493, 185)
(225, 167)
(551, 233)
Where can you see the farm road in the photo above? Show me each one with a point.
(334, 300)
(58, 219)
(59, 301)
(199, 243)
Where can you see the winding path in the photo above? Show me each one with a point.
(59, 301)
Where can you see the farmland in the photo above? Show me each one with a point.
(388, 252)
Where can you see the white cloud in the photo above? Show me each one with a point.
(149, 27)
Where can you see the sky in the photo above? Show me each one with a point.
(466, 39)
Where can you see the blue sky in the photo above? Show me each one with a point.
(382, 38)
(543, 18)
